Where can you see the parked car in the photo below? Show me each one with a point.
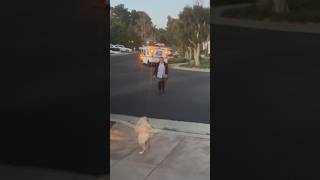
(115, 50)
(123, 48)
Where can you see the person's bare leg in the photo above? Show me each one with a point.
(163, 86)
(159, 87)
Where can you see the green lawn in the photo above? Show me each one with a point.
(204, 64)
(176, 60)
(300, 11)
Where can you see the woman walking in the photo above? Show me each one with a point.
(161, 74)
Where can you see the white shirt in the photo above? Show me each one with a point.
(161, 70)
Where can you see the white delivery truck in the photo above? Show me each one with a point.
(152, 54)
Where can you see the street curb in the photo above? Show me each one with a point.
(177, 66)
(313, 28)
(123, 54)
(191, 129)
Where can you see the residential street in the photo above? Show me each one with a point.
(132, 92)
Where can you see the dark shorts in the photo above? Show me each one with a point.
(160, 79)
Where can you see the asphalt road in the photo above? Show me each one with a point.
(266, 104)
(132, 92)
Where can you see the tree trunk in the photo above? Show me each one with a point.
(207, 48)
(280, 6)
(190, 53)
(194, 55)
(264, 3)
(197, 54)
(186, 54)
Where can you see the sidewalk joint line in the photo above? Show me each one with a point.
(166, 157)
(126, 156)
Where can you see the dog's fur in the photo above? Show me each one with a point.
(115, 135)
(144, 133)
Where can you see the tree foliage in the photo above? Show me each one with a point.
(143, 25)
(161, 35)
(120, 13)
(190, 30)
(129, 28)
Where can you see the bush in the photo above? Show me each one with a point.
(300, 11)
(204, 64)
(253, 11)
(176, 60)
(301, 4)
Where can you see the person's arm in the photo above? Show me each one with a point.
(167, 69)
(155, 70)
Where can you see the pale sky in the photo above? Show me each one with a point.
(158, 10)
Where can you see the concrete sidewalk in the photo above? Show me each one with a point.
(191, 129)
(171, 156)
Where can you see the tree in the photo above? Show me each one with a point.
(120, 13)
(134, 16)
(278, 6)
(194, 29)
(161, 36)
(122, 27)
(133, 39)
(171, 31)
(143, 25)
(176, 36)
(118, 33)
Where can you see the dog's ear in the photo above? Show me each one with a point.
(145, 118)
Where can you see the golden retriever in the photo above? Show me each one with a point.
(144, 133)
(115, 135)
